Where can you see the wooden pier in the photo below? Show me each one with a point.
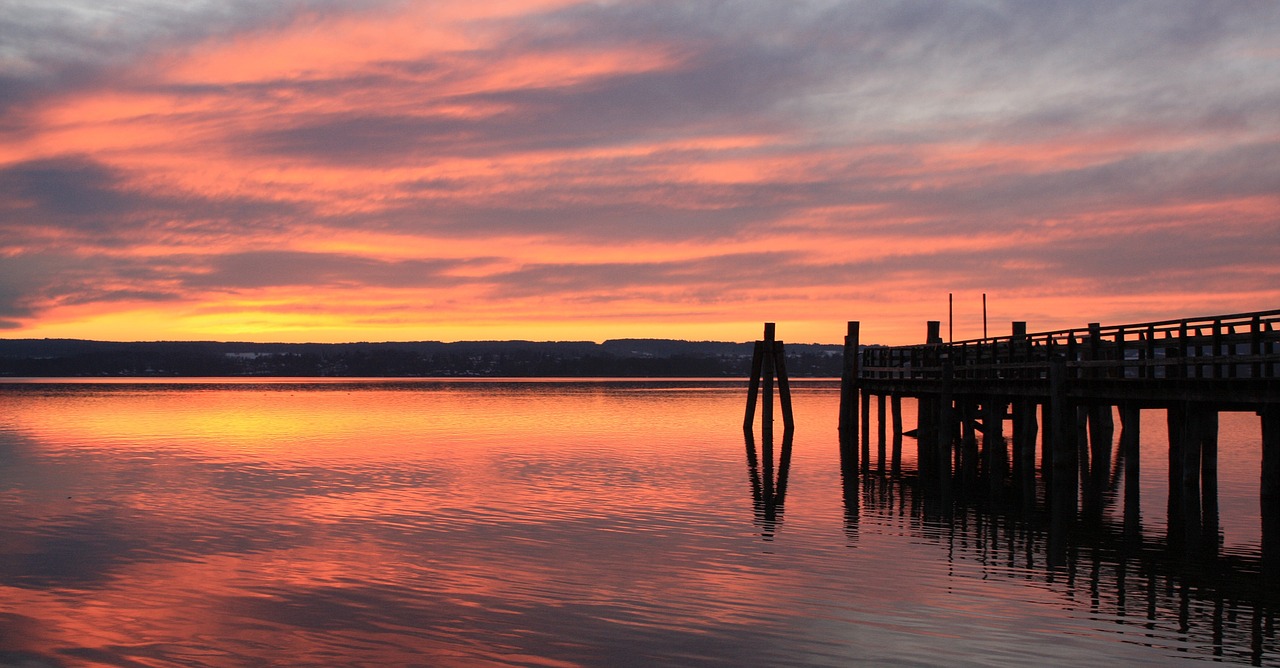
(1061, 389)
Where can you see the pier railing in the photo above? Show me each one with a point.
(1237, 346)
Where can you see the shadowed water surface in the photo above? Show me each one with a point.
(547, 523)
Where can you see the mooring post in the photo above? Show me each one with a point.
(784, 388)
(766, 398)
(849, 383)
(766, 389)
(753, 387)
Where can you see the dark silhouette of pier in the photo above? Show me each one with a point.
(1061, 390)
(1138, 588)
(1018, 465)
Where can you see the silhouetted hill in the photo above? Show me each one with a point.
(661, 358)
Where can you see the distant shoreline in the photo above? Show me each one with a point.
(623, 358)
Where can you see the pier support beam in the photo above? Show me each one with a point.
(996, 455)
(1025, 430)
(1130, 432)
(895, 408)
(926, 434)
(1207, 432)
(1270, 496)
(1065, 483)
(866, 430)
(946, 426)
(881, 432)
(1175, 419)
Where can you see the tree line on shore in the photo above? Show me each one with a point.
(633, 358)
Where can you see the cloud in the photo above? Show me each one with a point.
(217, 150)
(78, 199)
(53, 46)
(260, 269)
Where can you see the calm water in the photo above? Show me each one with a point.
(555, 524)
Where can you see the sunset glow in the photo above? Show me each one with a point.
(559, 170)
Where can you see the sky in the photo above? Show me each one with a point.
(317, 170)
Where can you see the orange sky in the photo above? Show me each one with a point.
(563, 170)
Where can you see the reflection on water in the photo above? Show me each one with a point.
(768, 490)
(556, 523)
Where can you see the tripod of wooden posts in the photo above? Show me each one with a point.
(768, 363)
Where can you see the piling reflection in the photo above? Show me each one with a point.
(768, 489)
(1151, 588)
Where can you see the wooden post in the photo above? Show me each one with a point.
(1065, 478)
(866, 430)
(1091, 493)
(1255, 346)
(1121, 354)
(1208, 437)
(1148, 353)
(1025, 430)
(881, 435)
(1130, 432)
(934, 335)
(849, 383)
(946, 424)
(766, 391)
(1270, 493)
(757, 360)
(1101, 436)
(1217, 347)
(926, 434)
(1184, 347)
(1095, 347)
(895, 407)
(993, 443)
(784, 387)
(1175, 417)
(1192, 428)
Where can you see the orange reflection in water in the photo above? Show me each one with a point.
(244, 517)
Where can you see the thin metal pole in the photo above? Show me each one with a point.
(951, 318)
(984, 315)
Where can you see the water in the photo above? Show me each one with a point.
(546, 523)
